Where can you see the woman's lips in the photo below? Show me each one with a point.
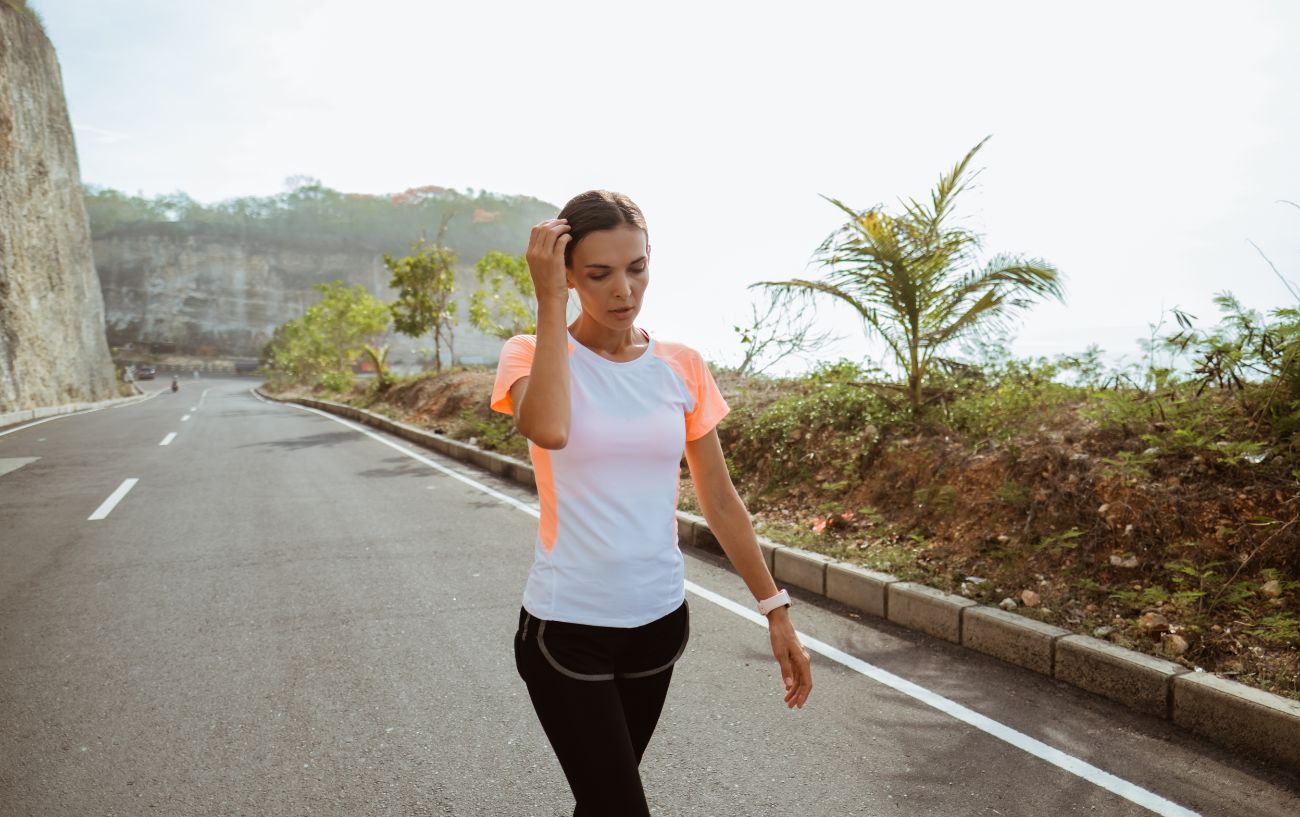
(625, 310)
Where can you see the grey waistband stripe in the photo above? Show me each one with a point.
(541, 644)
(686, 635)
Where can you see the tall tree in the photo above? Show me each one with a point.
(426, 281)
(504, 305)
(323, 344)
(915, 279)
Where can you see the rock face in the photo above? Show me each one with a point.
(205, 289)
(52, 344)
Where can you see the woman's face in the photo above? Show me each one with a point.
(610, 272)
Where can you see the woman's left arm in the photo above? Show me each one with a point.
(729, 520)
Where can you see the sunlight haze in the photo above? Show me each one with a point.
(1138, 147)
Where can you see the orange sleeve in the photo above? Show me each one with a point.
(710, 407)
(516, 361)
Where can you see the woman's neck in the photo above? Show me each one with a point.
(612, 343)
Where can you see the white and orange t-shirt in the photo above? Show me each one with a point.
(606, 550)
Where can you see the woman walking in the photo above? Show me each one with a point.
(608, 411)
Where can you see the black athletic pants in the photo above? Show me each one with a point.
(598, 692)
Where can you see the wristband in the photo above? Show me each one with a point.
(781, 599)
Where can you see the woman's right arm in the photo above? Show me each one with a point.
(541, 400)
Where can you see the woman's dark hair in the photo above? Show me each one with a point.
(598, 210)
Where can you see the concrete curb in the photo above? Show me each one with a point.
(1013, 638)
(1239, 716)
(1226, 712)
(27, 415)
(1144, 682)
(918, 607)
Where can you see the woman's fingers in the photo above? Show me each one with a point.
(796, 668)
(545, 257)
(803, 676)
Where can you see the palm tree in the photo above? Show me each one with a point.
(915, 279)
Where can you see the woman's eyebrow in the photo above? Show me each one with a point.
(607, 266)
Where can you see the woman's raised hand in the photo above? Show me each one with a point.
(546, 259)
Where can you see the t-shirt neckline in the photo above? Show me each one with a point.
(650, 342)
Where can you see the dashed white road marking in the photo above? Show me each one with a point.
(186, 417)
(194, 408)
(114, 498)
(167, 440)
(1099, 777)
(204, 396)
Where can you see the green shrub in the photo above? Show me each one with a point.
(831, 415)
(1000, 397)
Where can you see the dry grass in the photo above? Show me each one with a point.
(1099, 536)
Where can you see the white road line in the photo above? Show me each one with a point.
(1073, 765)
(75, 413)
(116, 497)
(168, 438)
(186, 417)
(148, 396)
(10, 464)
(194, 408)
(35, 423)
(1067, 762)
(204, 396)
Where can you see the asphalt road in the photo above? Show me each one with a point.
(286, 616)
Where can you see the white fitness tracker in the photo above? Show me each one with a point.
(781, 599)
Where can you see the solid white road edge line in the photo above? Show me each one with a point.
(114, 498)
(168, 438)
(75, 413)
(1106, 780)
(1067, 762)
(509, 500)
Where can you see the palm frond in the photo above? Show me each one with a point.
(870, 316)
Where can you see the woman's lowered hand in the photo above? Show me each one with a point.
(796, 669)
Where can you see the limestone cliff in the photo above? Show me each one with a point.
(52, 344)
(206, 289)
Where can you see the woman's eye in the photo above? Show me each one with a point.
(637, 269)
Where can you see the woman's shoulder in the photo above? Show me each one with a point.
(519, 345)
(676, 350)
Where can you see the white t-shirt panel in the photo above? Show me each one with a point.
(606, 551)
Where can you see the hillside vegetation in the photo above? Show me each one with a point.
(1156, 505)
(1158, 519)
(310, 215)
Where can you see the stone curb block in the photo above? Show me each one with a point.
(1239, 716)
(14, 418)
(1013, 638)
(694, 532)
(866, 590)
(1140, 681)
(1226, 712)
(801, 569)
(918, 607)
(490, 461)
(769, 549)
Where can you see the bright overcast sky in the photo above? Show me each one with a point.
(1137, 146)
